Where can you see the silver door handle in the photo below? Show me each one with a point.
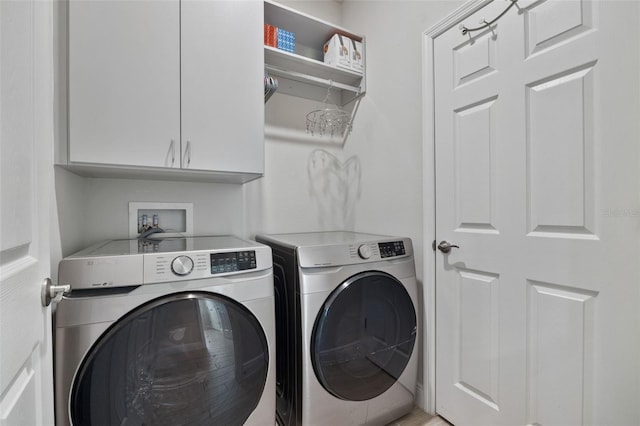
(52, 292)
(446, 246)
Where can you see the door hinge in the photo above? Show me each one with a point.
(433, 245)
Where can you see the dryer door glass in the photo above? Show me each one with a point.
(188, 358)
(364, 336)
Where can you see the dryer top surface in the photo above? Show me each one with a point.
(311, 239)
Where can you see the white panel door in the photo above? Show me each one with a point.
(26, 175)
(222, 78)
(124, 82)
(538, 183)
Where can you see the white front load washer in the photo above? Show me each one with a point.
(346, 327)
(178, 331)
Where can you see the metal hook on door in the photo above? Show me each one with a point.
(465, 30)
(484, 21)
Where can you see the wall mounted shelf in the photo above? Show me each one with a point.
(304, 73)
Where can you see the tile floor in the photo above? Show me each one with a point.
(417, 417)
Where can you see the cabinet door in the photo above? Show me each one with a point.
(222, 93)
(124, 82)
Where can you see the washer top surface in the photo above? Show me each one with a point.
(165, 245)
(334, 248)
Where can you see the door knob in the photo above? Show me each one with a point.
(446, 246)
(52, 292)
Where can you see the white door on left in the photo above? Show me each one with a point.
(26, 173)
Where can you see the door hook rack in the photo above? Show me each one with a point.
(465, 30)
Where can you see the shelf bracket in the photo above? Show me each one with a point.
(355, 98)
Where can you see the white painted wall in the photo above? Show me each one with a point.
(70, 217)
(328, 10)
(93, 209)
(387, 133)
(284, 196)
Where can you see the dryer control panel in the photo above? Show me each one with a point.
(391, 249)
(353, 253)
(232, 261)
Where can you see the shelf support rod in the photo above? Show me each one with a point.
(311, 79)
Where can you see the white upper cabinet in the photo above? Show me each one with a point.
(166, 89)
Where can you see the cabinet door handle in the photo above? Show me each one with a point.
(187, 153)
(172, 152)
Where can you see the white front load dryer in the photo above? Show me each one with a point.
(169, 332)
(346, 321)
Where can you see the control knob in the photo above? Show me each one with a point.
(182, 265)
(364, 251)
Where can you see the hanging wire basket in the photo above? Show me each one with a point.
(330, 120)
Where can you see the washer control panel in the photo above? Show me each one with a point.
(134, 262)
(391, 249)
(161, 267)
(232, 261)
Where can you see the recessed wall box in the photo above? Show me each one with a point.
(175, 219)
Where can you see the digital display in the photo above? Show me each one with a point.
(395, 248)
(232, 262)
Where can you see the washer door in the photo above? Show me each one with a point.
(188, 358)
(363, 337)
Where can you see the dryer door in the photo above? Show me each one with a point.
(188, 358)
(364, 336)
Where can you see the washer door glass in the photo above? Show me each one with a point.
(364, 336)
(188, 358)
